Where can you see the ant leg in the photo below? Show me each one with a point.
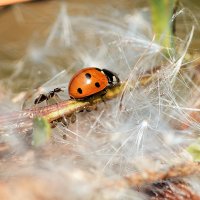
(57, 98)
(54, 124)
(65, 121)
(55, 94)
(80, 111)
(73, 118)
(92, 105)
(102, 96)
(51, 94)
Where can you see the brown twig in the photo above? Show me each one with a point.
(135, 180)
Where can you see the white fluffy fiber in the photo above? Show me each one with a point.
(111, 142)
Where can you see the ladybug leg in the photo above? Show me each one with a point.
(80, 111)
(91, 108)
(100, 95)
(103, 92)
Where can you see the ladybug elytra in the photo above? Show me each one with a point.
(89, 81)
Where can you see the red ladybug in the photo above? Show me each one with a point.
(89, 81)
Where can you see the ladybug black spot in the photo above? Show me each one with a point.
(79, 90)
(88, 76)
(97, 84)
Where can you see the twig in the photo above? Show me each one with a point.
(135, 180)
(23, 120)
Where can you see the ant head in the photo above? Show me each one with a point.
(57, 90)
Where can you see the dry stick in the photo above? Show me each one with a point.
(70, 106)
(135, 180)
(23, 120)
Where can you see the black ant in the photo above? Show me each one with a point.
(65, 119)
(49, 95)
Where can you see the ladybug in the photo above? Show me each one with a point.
(89, 81)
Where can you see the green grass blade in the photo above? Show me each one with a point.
(194, 150)
(41, 131)
(162, 12)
